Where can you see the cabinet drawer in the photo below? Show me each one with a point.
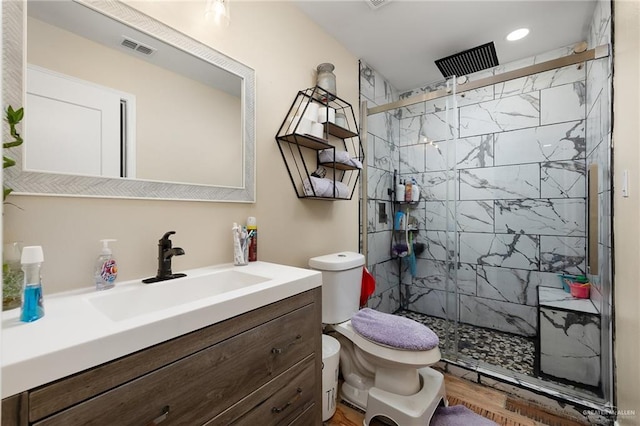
(285, 404)
(311, 416)
(202, 385)
(15, 410)
(278, 402)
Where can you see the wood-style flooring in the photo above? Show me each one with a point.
(483, 400)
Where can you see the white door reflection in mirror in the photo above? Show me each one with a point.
(75, 127)
(188, 122)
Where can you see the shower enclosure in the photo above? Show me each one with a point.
(513, 168)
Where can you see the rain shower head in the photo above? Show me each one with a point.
(377, 4)
(471, 60)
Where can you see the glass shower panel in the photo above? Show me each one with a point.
(413, 258)
(381, 158)
(599, 195)
(447, 149)
(426, 148)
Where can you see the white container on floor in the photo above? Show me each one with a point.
(330, 368)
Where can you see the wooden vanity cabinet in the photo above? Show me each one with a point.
(262, 367)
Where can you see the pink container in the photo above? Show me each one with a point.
(580, 291)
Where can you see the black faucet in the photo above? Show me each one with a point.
(165, 253)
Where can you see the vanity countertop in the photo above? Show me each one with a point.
(74, 336)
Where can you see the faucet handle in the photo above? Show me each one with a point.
(166, 235)
(165, 242)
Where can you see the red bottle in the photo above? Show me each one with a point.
(252, 228)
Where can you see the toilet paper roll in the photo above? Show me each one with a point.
(312, 111)
(317, 129)
(341, 120)
(322, 115)
(304, 125)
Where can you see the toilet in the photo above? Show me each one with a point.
(382, 377)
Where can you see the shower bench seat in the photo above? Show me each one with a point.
(568, 346)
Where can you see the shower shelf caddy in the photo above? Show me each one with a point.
(301, 151)
(396, 238)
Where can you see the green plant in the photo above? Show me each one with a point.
(11, 274)
(12, 278)
(13, 117)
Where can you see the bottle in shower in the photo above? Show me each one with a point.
(32, 306)
(400, 191)
(407, 191)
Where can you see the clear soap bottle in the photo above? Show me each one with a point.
(106, 270)
(32, 307)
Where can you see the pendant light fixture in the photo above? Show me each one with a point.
(218, 11)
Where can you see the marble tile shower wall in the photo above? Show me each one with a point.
(381, 158)
(520, 180)
(522, 153)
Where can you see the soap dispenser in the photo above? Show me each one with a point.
(32, 307)
(106, 269)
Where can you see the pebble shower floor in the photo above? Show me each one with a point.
(506, 350)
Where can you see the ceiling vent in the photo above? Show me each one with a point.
(472, 60)
(377, 4)
(137, 46)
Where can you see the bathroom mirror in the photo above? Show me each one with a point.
(173, 142)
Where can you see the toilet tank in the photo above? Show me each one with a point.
(341, 284)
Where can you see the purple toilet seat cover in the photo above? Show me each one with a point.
(394, 331)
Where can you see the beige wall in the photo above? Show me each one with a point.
(626, 139)
(284, 48)
(175, 115)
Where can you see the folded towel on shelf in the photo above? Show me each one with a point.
(324, 188)
(326, 156)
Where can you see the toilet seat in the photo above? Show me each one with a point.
(393, 356)
(393, 330)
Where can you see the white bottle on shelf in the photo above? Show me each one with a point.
(415, 191)
(400, 191)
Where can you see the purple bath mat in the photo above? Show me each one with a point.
(458, 415)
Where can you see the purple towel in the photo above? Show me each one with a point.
(459, 415)
(394, 331)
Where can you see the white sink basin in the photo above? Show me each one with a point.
(149, 298)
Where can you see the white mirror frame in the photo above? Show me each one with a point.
(35, 183)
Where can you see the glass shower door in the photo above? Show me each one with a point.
(433, 291)
(447, 149)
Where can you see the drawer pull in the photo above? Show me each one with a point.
(280, 350)
(291, 401)
(160, 418)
